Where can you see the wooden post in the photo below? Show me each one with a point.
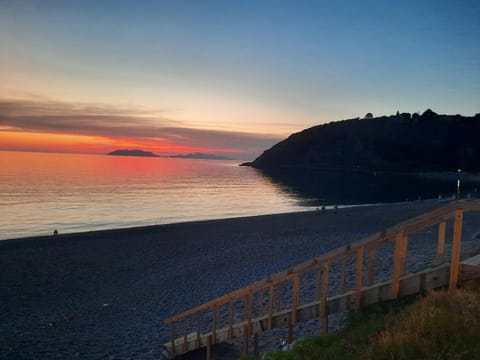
(278, 289)
(249, 317)
(398, 262)
(324, 305)
(292, 316)
(359, 277)
(245, 340)
(371, 266)
(230, 321)
(270, 307)
(441, 243)
(422, 282)
(344, 271)
(173, 338)
(318, 286)
(290, 329)
(245, 307)
(199, 329)
(261, 309)
(456, 246)
(214, 325)
(185, 341)
(295, 294)
(255, 345)
(209, 347)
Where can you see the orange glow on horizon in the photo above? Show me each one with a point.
(67, 143)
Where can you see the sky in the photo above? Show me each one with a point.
(224, 77)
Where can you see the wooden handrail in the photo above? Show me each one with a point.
(341, 298)
(411, 226)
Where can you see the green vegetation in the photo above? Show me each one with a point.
(440, 325)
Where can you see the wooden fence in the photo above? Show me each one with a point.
(343, 279)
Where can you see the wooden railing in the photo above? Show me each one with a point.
(342, 279)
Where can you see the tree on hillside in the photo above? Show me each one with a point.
(429, 114)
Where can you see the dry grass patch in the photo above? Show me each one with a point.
(442, 325)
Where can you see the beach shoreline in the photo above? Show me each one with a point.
(105, 294)
(152, 227)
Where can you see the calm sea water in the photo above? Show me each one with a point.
(41, 192)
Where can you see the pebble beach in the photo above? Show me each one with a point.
(105, 294)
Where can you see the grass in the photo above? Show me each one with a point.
(443, 325)
(440, 325)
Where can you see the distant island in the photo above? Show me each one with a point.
(200, 156)
(133, 153)
(142, 153)
(400, 142)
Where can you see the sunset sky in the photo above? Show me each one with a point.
(225, 77)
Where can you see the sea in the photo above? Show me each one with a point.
(44, 192)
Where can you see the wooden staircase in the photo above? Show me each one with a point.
(343, 279)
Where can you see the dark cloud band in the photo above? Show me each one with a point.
(96, 120)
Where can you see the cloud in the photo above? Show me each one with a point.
(52, 117)
(223, 139)
(121, 122)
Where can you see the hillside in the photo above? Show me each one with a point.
(402, 142)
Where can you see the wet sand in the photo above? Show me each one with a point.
(104, 295)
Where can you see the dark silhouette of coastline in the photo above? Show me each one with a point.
(401, 142)
(134, 152)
